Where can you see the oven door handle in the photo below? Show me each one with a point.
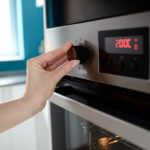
(65, 90)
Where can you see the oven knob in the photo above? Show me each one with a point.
(79, 52)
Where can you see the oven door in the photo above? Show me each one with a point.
(80, 121)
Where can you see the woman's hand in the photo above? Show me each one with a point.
(44, 72)
(42, 76)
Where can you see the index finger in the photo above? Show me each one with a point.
(55, 54)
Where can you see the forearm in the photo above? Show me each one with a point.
(14, 112)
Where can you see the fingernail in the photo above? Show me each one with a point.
(75, 63)
(70, 43)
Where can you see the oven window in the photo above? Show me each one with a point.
(71, 132)
(65, 12)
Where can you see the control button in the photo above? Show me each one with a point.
(109, 64)
(79, 52)
(121, 65)
(134, 66)
(121, 58)
(105, 58)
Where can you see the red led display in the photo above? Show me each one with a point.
(123, 43)
(126, 43)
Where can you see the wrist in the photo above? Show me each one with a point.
(33, 103)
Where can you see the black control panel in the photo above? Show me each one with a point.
(125, 52)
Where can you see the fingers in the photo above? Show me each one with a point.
(55, 54)
(57, 64)
(66, 68)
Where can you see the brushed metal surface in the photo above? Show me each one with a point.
(87, 34)
(132, 133)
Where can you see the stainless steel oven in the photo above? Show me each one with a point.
(104, 104)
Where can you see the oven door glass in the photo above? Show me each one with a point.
(71, 132)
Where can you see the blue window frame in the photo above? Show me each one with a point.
(29, 34)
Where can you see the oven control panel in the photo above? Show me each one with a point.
(124, 52)
(113, 51)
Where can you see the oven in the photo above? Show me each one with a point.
(103, 104)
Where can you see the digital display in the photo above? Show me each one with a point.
(124, 44)
(124, 52)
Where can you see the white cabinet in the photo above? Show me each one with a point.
(43, 129)
(23, 136)
(5, 140)
(33, 134)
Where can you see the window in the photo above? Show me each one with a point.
(21, 32)
(9, 49)
(39, 3)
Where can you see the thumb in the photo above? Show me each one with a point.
(66, 68)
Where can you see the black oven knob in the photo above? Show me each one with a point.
(81, 53)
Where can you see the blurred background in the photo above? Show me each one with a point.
(21, 37)
(21, 32)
